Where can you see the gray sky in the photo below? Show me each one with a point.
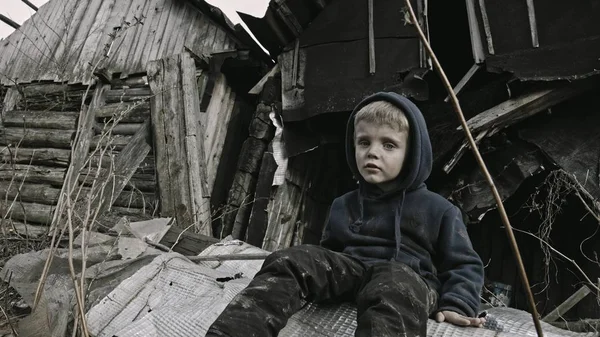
(19, 12)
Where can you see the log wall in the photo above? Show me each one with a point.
(35, 149)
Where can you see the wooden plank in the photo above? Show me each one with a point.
(215, 154)
(66, 120)
(94, 41)
(156, 81)
(196, 161)
(144, 34)
(161, 30)
(519, 108)
(10, 99)
(168, 133)
(371, 39)
(37, 156)
(171, 33)
(486, 27)
(36, 137)
(283, 212)
(475, 33)
(532, 23)
(33, 174)
(151, 22)
(234, 218)
(464, 80)
(112, 183)
(130, 33)
(186, 242)
(567, 304)
(258, 221)
(83, 35)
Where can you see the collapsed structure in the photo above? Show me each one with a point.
(164, 108)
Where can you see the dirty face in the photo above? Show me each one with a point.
(380, 151)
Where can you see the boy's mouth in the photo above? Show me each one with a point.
(372, 166)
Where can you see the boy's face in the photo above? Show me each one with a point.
(380, 150)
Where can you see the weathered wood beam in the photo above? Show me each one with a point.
(486, 27)
(33, 174)
(9, 22)
(186, 242)
(463, 81)
(63, 120)
(371, 39)
(105, 194)
(121, 129)
(567, 304)
(179, 142)
(475, 32)
(519, 108)
(48, 194)
(37, 156)
(532, 23)
(36, 137)
(131, 112)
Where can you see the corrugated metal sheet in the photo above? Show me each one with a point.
(66, 39)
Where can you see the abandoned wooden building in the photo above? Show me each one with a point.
(134, 96)
(269, 137)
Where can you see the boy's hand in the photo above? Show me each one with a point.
(458, 319)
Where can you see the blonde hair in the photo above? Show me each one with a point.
(382, 113)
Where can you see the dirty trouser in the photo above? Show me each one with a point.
(392, 300)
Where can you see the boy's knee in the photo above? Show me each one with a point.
(295, 254)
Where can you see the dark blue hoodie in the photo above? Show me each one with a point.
(409, 223)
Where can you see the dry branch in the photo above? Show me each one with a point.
(482, 165)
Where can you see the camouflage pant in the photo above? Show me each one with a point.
(392, 300)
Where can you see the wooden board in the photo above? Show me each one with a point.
(179, 139)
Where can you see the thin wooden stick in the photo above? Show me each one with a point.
(32, 6)
(227, 257)
(482, 165)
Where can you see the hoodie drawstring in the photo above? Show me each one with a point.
(397, 221)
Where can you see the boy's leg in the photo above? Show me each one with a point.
(394, 301)
(286, 278)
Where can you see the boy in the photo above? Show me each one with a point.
(398, 250)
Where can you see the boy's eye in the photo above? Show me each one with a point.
(362, 143)
(389, 146)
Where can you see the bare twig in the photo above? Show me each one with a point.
(482, 165)
(589, 281)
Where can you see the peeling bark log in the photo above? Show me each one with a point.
(37, 156)
(64, 120)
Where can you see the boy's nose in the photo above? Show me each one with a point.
(372, 153)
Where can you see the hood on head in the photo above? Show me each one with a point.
(418, 162)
